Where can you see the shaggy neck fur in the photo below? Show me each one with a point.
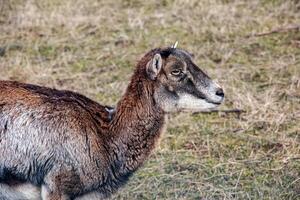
(137, 123)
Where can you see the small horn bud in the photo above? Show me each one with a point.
(174, 45)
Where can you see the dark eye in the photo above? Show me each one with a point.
(176, 72)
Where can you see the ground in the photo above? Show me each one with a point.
(92, 46)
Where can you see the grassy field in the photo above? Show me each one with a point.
(92, 46)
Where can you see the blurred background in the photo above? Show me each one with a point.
(251, 47)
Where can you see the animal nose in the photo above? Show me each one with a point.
(220, 92)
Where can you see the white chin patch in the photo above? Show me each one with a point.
(188, 102)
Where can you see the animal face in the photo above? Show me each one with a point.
(181, 84)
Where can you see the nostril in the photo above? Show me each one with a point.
(220, 92)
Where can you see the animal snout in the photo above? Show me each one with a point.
(220, 92)
(218, 95)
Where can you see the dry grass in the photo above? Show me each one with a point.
(91, 47)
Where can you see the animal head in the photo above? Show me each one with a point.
(180, 84)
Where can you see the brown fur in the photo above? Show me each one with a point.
(117, 146)
(71, 145)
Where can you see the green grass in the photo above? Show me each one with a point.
(92, 46)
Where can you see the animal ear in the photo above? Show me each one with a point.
(154, 66)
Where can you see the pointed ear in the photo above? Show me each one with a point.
(154, 66)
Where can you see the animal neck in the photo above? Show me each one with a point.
(136, 126)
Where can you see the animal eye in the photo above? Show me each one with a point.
(176, 72)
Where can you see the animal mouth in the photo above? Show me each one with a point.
(215, 103)
(207, 99)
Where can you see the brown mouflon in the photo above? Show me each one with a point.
(63, 145)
